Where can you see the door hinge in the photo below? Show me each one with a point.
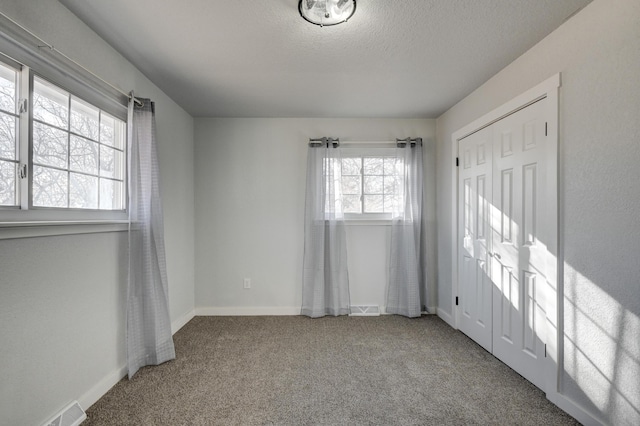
(23, 106)
(545, 128)
(456, 300)
(457, 161)
(545, 350)
(23, 171)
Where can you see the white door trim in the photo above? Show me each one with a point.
(547, 89)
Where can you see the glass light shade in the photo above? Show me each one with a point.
(326, 12)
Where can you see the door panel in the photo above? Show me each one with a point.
(475, 196)
(518, 259)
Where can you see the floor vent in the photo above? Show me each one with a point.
(72, 415)
(365, 311)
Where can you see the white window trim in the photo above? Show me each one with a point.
(53, 214)
(368, 222)
(32, 229)
(368, 217)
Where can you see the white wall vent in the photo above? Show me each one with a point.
(365, 311)
(72, 415)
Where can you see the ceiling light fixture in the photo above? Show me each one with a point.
(326, 12)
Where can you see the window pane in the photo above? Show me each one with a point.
(49, 145)
(391, 184)
(112, 131)
(351, 185)
(373, 166)
(83, 191)
(7, 89)
(351, 203)
(84, 119)
(392, 203)
(7, 136)
(351, 166)
(7, 183)
(49, 187)
(373, 203)
(373, 184)
(83, 156)
(50, 104)
(111, 163)
(111, 194)
(107, 129)
(120, 134)
(392, 166)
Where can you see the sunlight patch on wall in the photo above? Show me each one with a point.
(601, 348)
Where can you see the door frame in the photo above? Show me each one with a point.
(554, 331)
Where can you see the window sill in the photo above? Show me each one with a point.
(14, 230)
(368, 222)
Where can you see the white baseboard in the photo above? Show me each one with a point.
(263, 310)
(446, 317)
(247, 310)
(110, 380)
(101, 388)
(564, 403)
(573, 409)
(180, 322)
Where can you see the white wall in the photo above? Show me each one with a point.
(62, 298)
(598, 53)
(250, 192)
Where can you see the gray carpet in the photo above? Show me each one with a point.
(385, 370)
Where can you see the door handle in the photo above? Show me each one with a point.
(497, 256)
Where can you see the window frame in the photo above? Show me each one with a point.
(25, 211)
(17, 68)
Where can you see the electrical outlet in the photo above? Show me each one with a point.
(247, 283)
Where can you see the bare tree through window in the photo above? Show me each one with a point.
(371, 184)
(78, 152)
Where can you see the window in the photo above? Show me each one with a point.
(371, 183)
(78, 152)
(58, 153)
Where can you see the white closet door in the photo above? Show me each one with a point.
(518, 257)
(502, 258)
(475, 236)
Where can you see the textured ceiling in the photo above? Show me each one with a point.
(241, 58)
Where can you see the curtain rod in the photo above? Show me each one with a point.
(324, 141)
(53, 49)
(370, 142)
(336, 141)
(409, 141)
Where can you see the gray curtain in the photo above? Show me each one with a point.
(325, 288)
(406, 291)
(149, 340)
